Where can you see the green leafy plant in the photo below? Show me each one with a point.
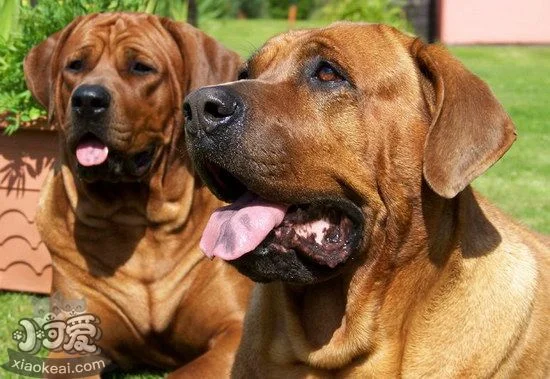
(207, 9)
(250, 8)
(214, 9)
(379, 11)
(9, 12)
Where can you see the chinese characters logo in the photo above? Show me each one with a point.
(66, 327)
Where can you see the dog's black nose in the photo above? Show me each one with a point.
(210, 108)
(90, 101)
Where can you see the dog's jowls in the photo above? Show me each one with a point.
(347, 153)
(122, 212)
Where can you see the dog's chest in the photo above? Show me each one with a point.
(138, 273)
(158, 273)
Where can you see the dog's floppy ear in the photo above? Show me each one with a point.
(38, 65)
(206, 60)
(37, 68)
(469, 130)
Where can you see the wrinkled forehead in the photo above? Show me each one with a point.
(113, 32)
(357, 48)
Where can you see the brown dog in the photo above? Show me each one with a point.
(122, 212)
(348, 153)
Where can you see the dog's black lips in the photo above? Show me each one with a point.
(284, 254)
(118, 167)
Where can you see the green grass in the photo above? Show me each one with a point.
(519, 183)
(13, 307)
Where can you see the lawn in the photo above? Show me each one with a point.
(519, 183)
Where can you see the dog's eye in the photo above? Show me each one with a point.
(75, 65)
(326, 73)
(243, 74)
(141, 68)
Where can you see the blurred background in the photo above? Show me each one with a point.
(505, 42)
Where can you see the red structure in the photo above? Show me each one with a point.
(25, 161)
(494, 21)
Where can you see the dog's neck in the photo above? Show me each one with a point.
(397, 274)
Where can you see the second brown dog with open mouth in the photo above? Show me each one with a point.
(347, 154)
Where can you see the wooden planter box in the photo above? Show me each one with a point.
(25, 160)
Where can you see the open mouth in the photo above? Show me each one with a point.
(91, 151)
(96, 161)
(323, 232)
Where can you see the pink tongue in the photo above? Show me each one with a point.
(239, 228)
(91, 153)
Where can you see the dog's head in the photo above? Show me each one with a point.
(114, 83)
(326, 141)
